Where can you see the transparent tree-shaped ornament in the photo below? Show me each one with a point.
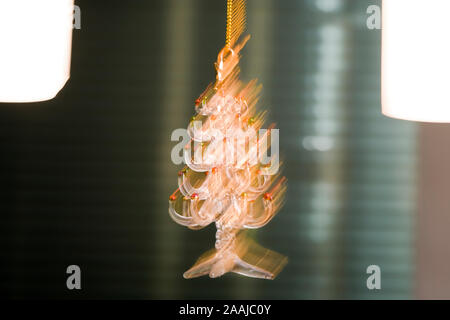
(226, 181)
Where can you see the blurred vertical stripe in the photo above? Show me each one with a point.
(178, 71)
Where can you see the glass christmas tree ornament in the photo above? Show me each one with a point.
(227, 181)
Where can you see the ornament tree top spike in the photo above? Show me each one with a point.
(229, 179)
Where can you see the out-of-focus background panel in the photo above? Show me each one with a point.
(433, 236)
(351, 171)
(88, 175)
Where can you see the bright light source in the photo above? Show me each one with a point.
(416, 60)
(35, 48)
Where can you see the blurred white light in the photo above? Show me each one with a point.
(416, 60)
(328, 5)
(327, 127)
(321, 144)
(331, 33)
(35, 48)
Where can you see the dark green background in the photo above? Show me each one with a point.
(86, 177)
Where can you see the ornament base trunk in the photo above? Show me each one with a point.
(239, 254)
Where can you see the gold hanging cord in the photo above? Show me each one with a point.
(236, 20)
(228, 59)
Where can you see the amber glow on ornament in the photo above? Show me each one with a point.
(235, 195)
